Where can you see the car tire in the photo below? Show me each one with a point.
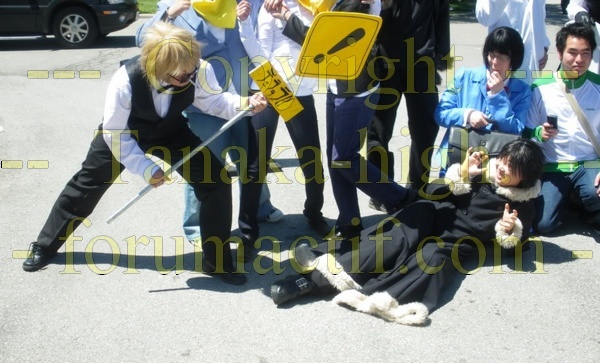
(75, 27)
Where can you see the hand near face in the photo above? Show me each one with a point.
(472, 164)
(495, 82)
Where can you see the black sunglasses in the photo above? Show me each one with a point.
(186, 77)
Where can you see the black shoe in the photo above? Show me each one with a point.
(348, 232)
(249, 250)
(228, 277)
(377, 205)
(37, 258)
(290, 288)
(319, 225)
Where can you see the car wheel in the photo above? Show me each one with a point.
(75, 27)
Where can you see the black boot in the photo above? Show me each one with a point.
(290, 288)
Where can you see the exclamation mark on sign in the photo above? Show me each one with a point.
(347, 41)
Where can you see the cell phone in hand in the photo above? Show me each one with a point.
(552, 120)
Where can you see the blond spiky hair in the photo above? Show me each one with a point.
(168, 50)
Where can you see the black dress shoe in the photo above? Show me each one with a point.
(377, 205)
(228, 277)
(291, 288)
(348, 232)
(319, 225)
(37, 258)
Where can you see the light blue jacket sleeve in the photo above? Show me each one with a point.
(508, 108)
(452, 107)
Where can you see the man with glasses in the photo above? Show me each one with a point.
(143, 113)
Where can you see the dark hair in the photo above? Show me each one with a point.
(526, 159)
(577, 30)
(505, 40)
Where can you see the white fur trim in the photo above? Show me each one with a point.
(460, 187)
(383, 305)
(509, 241)
(340, 279)
(520, 194)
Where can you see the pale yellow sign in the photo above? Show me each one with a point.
(279, 95)
(338, 45)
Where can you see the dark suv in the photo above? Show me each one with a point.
(74, 23)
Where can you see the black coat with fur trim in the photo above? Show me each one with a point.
(413, 255)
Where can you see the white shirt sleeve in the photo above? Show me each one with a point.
(266, 29)
(536, 114)
(211, 99)
(117, 109)
(488, 12)
(252, 46)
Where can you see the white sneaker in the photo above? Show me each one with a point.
(275, 215)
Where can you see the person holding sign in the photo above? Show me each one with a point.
(270, 44)
(143, 113)
(350, 107)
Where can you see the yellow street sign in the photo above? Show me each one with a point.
(279, 95)
(338, 44)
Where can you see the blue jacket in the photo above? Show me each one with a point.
(508, 108)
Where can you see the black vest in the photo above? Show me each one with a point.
(143, 117)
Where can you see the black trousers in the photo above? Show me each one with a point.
(304, 132)
(100, 169)
(418, 87)
(251, 189)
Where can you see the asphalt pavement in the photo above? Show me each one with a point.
(129, 291)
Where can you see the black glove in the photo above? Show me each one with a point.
(584, 18)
